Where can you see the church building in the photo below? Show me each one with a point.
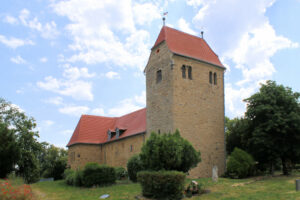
(184, 91)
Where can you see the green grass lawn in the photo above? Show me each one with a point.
(268, 188)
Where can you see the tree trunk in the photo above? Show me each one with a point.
(285, 167)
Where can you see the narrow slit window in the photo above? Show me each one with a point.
(190, 72)
(183, 71)
(210, 77)
(215, 78)
(158, 76)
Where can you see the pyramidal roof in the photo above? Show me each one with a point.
(188, 45)
(93, 129)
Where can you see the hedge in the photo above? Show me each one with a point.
(240, 164)
(97, 175)
(121, 173)
(162, 184)
(134, 165)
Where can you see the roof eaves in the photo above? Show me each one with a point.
(220, 66)
(114, 140)
(120, 138)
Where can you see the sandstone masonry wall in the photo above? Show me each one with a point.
(115, 153)
(195, 107)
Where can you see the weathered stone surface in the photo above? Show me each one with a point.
(215, 174)
(195, 107)
(114, 153)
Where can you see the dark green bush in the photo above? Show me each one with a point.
(69, 176)
(134, 165)
(98, 175)
(162, 184)
(169, 152)
(240, 164)
(78, 178)
(121, 173)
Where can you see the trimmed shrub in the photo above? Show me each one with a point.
(69, 176)
(169, 152)
(134, 165)
(78, 178)
(98, 175)
(240, 164)
(162, 184)
(121, 173)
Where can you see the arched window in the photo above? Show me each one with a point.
(215, 78)
(210, 77)
(158, 76)
(190, 72)
(183, 71)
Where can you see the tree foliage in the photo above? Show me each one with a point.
(274, 113)
(236, 134)
(9, 152)
(53, 161)
(20, 149)
(169, 152)
(240, 164)
(26, 138)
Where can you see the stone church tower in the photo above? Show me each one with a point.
(185, 91)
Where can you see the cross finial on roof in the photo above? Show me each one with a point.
(164, 18)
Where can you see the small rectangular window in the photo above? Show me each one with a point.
(190, 72)
(215, 78)
(183, 71)
(131, 148)
(210, 77)
(158, 76)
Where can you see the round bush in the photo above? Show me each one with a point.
(162, 184)
(240, 164)
(134, 165)
(98, 175)
(121, 173)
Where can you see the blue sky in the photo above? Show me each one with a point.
(63, 58)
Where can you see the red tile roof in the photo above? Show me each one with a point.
(187, 45)
(93, 129)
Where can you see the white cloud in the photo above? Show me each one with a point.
(145, 13)
(75, 73)
(112, 75)
(14, 42)
(195, 3)
(185, 27)
(47, 30)
(128, 105)
(44, 59)
(74, 110)
(55, 100)
(10, 20)
(67, 132)
(48, 123)
(98, 111)
(247, 42)
(70, 85)
(77, 89)
(104, 32)
(18, 60)
(141, 99)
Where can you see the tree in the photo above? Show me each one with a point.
(236, 134)
(26, 137)
(9, 152)
(169, 152)
(53, 161)
(240, 164)
(274, 112)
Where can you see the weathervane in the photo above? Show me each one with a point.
(164, 18)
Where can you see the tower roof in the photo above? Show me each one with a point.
(187, 45)
(93, 129)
